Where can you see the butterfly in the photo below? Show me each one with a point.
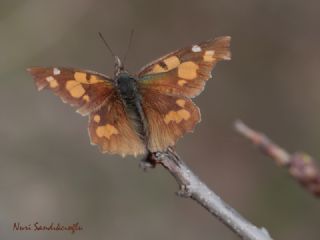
(133, 114)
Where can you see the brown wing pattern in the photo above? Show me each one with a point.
(169, 117)
(93, 93)
(80, 88)
(110, 128)
(185, 71)
(167, 85)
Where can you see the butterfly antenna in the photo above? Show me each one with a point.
(129, 45)
(106, 44)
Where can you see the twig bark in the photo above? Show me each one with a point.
(301, 166)
(192, 187)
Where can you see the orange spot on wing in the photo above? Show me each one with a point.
(75, 89)
(182, 82)
(53, 83)
(172, 62)
(96, 118)
(185, 115)
(177, 116)
(188, 70)
(157, 69)
(86, 98)
(106, 131)
(208, 56)
(181, 102)
(80, 77)
(94, 79)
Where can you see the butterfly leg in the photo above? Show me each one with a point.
(148, 161)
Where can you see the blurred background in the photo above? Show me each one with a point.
(50, 173)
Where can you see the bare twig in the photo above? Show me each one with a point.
(192, 187)
(301, 166)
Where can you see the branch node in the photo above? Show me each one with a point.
(184, 191)
(303, 168)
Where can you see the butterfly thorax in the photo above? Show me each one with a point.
(131, 98)
(127, 86)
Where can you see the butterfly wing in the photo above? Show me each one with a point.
(185, 72)
(167, 84)
(83, 89)
(110, 128)
(169, 117)
(93, 94)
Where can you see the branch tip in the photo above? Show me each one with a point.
(301, 166)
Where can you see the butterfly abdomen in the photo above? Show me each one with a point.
(127, 88)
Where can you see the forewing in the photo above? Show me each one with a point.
(110, 128)
(83, 89)
(169, 118)
(184, 72)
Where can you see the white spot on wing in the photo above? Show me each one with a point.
(56, 71)
(196, 48)
(50, 78)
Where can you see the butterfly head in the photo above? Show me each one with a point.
(118, 67)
